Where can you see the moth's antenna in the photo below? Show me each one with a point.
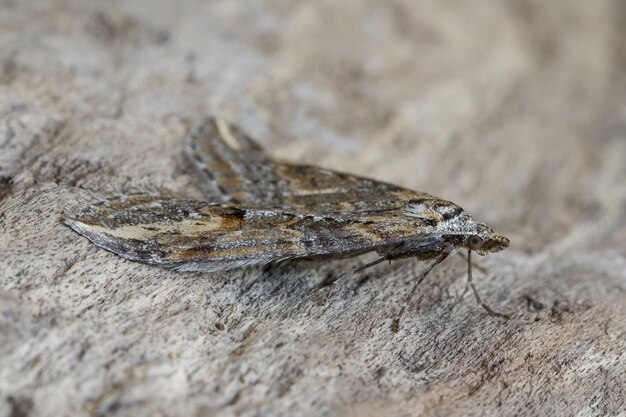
(475, 291)
(396, 322)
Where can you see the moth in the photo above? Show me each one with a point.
(260, 210)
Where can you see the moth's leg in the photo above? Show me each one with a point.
(390, 255)
(474, 264)
(370, 264)
(475, 291)
(265, 270)
(443, 255)
(331, 288)
(375, 262)
(333, 284)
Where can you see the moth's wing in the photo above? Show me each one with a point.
(230, 166)
(193, 235)
(230, 163)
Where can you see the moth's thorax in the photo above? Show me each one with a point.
(453, 224)
(439, 214)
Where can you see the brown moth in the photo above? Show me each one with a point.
(260, 210)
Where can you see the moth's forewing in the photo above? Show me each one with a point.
(195, 235)
(230, 163)
(231, 168)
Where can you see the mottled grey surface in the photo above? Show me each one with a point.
(515, 110)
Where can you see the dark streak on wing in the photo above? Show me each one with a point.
(230, 163)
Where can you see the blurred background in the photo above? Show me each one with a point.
(515, 110)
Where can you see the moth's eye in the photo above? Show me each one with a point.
(475, 242)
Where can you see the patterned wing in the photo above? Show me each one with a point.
(233, 165)
(190, 235)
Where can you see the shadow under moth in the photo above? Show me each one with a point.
(260, 210)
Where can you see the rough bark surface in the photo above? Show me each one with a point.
(516, 110)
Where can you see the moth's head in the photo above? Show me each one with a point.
(455, 225)
(485, 241)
